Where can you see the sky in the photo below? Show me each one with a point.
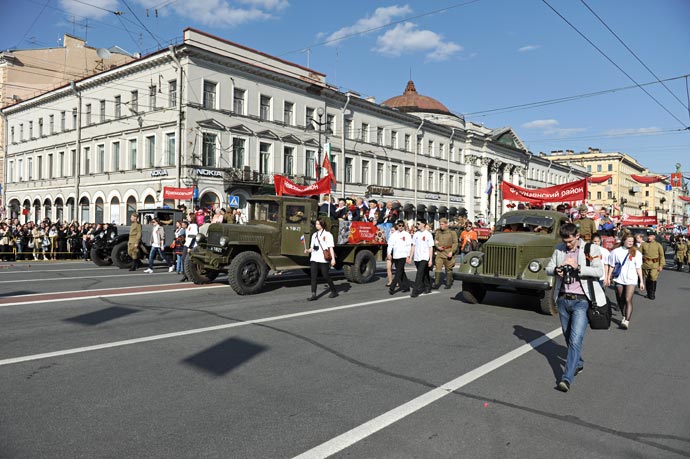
(564, 74)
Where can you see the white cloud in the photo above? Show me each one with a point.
(527, 48)
(218, 12)
(564, 132)
(380, 18)
(540, 124)
(643, 131)
(87, 11)
(407, 38)
(271, 5)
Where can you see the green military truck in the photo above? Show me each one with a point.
(272, 240)
(514, 258)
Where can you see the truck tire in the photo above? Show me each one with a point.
(197, 273)
(546, 303)
(364, 267)
(98, 258)
(247, 273)
(473, 293)
(347, 272)
(120, 257)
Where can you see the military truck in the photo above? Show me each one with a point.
(166, 216)
(274, 239)
(514, 258)
(102, 244)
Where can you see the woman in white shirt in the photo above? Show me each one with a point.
(321, 241)
(605, 255)
(630, 275)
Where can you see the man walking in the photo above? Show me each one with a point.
(399, 245)
(157, 247)
(576, 284)
(653, 260)
(446, 244)
(134, 241)
(421, 252)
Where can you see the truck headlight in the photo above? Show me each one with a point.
(223, 241)
(534, 266)
(475, 262)
(199, 237)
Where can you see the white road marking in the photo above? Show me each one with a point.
(80, 277)
(194, 331)
(8, 270)
(339, 443)
(105, 295)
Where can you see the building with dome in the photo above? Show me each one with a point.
(222, 118)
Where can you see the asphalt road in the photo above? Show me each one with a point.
(103, 363)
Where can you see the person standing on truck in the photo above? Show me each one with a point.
(134, 241)
(421, 253)
(321, 242)
(446, 244)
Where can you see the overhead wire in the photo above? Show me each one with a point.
(33, 23)
(142, 24)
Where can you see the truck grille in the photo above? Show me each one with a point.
(214, 237)
(500, 261)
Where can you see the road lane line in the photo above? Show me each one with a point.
(194, 331)
(58, 279)
(6, 270)
(339, 443)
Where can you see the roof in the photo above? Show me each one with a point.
(412, 101)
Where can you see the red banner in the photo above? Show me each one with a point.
(643, 179)
(183, 194)
(684, 198)
(571, 191)
(676, 180)
(639, 220)
(286, 186)
(599, 179)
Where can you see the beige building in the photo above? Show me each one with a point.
(27, 73)
(621, 194)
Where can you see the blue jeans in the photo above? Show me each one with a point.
(178, 264)
(573, 315)
(152, 256)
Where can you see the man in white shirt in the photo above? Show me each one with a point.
(421, 253)
(157, 247)
(191, 230)
(399, 245)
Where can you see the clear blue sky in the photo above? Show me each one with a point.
(474, 56)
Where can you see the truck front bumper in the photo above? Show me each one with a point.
(502, 282)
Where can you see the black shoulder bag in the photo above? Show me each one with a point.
(599, 317)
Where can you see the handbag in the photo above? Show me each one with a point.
(326, 253)
(599, 317)
(618, 267)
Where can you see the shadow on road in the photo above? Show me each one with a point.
(104, 315)
(555, 353)
(225, 356)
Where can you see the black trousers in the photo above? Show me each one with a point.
(422, 281)
(323, 268)
(400, 279)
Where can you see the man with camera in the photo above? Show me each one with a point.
(572, 294)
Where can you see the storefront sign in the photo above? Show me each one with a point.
(178, 193)
(382, 190)
(159, 173)
(209, 173)
(568, 192)
(455, 199)
(433, 196)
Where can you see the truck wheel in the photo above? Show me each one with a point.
(119, 256)
(473, 293)
(364, 267)
(97, 256)
(347, 271)
(197, 273)
(247, 273)
(546, 303)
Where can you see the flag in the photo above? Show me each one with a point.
(327, 166)
(489, 188)
(302, 240)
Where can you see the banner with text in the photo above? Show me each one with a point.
(284, 185)
(639, 220)
(360, 232)
(178, 193)
(568, 192)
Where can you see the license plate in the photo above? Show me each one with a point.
(217, 249)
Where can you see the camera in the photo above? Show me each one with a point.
(316, 248)
(570, 274)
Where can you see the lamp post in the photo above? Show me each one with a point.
(320, 124)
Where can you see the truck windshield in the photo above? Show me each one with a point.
(265, 211)
(526, 223)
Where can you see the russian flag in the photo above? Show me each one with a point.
(489, 188)
(302, 240)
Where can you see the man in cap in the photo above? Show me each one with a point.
(586, 224)
(653, 259)
(445, 244)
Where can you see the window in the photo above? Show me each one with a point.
(208, 155)
(87, 160)
(451, 184)
(238, 153)
(172, 93)
(442, 151)
(100, 161)
(30, 166)
(430, 149)
(310, 164)
(330, 123)
(589, 168)
(598, 167)
(609, 167)
(12, 134)
(51, 124)
(10, 172)
(610, 181)
(394, 139)
(265, 158)
(348, 129)
(74, 118)
(598, 194)
(88, 114)
(365, 132)
(170, 148)
(348, 170)
(134, 101)
(365, 172)
(379, 136)
(288, 113)
(610, 194)
(61, 164)
(209, 94)
(133, 154)
(102, 112)
(394, 175)
(408, 178)
(308, 117)
(21, 132)
(407, 142)
(63, 121)
(419, 146)
(152, 97)
(116, 157)
(20, 165)
(238, 101)
(31, 130)
(646, 194)
(379, 174)
(73, 158)
(150, 146)
(477, 191)
(288, 160)
(431, 182)
(441, 182)
(40, 127)
(265, 108)
(118, 107)
(40, 168)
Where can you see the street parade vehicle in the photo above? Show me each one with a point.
(278, 231)
(514, 258)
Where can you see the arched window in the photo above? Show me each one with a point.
(59, 210)
(149, 202)
(85, 211)
(131, 208)
(47, 209)
(115, 211)
(209, 200)
(99, 210)
(37, 211)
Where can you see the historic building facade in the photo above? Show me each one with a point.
(223, 118)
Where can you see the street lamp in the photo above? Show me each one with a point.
(320, 124)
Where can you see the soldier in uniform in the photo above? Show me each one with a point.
(681, 253)
(133, 242)
(586, 224)
(653, 260)
(445, 246)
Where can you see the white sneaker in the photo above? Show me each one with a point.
(625, 324)
(148, 270)
(171, 269)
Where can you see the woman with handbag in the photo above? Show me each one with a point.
(321, 256)
(625, 270)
